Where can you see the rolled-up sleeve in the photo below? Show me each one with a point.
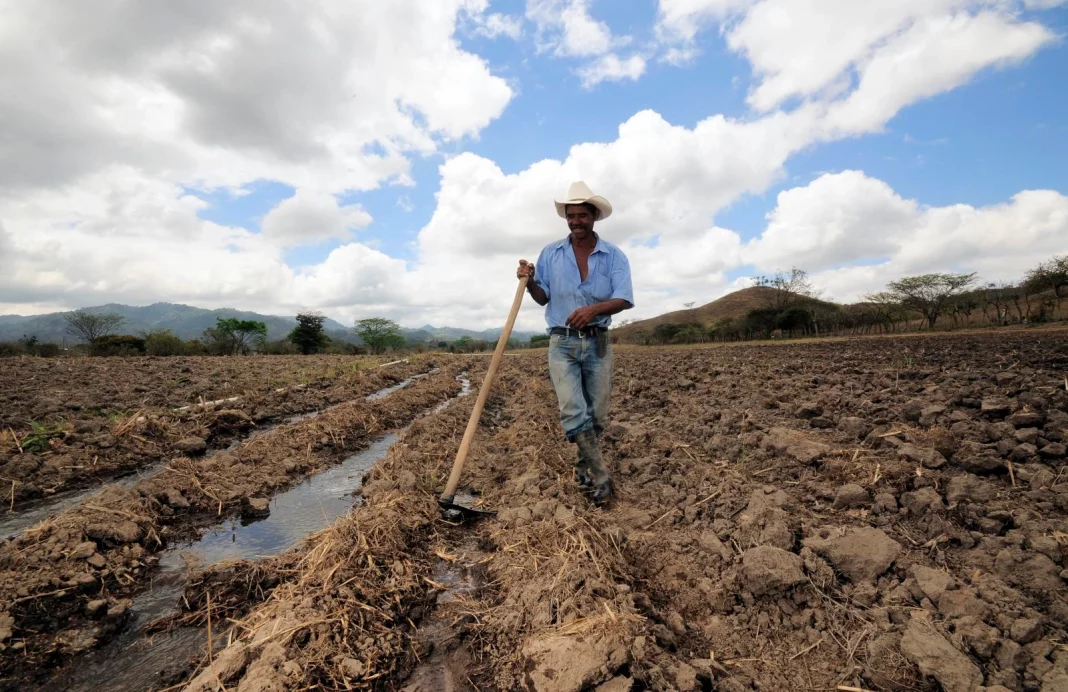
(541, 272)
(621, 284)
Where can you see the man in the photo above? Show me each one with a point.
(582, 281)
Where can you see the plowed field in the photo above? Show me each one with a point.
(873, 514)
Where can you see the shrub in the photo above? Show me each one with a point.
(280, 347)
(48, 350)
(118, 345)
(9, 349)
(163, 342)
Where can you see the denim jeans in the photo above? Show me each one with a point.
(583, 382)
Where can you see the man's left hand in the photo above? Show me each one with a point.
(582, 317)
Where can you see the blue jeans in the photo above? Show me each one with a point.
(583, 382)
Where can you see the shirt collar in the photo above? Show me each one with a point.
(599, 247)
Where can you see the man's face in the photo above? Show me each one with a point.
(579, 220)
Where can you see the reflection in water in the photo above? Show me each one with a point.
(134, 662)
(14, 523)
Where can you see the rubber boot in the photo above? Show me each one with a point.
(582, 471)
(589, 447)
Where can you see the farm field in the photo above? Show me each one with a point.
(68, 423)
(877, 514)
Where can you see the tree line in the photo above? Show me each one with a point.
(792, 307)
(95, 334)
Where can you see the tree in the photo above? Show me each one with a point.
(929, 294)
(379, 334)
(689, 305)
(231, 335)
(785, 288)
(1051, 275)
(886, 309)
(90, 326)
(309, 335)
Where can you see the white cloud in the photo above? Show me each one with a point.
(309, 217)
(848, 217)
(112, 144)
(567, 28)
(836, 219)
(219, 94)
(933, 56)
(681, 20)
(611, 68)
(495, 25)
(816, 49)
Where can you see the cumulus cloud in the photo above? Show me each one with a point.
(309, 217)
(224, 93)
(567, 29)
(100, 191)
(612, 69)
(818, 49)
(845, 218)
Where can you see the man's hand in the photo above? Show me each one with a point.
(525, 269)
(582, 317)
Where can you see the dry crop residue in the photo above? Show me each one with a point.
(67, 580)
(879, 514)
(72, 423)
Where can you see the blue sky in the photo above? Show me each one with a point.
(925, 142)
(978, 144)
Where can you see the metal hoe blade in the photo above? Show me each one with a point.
(457, 513)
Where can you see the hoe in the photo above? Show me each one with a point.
(451, 510)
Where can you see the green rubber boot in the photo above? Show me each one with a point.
(601, 482)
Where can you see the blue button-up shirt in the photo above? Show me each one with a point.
(557, 272)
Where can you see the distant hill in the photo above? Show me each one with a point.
(189, 322)
(733, 305)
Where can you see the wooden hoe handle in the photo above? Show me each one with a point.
(483, 392)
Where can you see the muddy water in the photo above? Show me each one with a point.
(444, 670)
(134, 662)
(13, 524)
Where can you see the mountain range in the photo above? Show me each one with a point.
(189, 322)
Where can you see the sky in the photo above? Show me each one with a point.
(396, 159)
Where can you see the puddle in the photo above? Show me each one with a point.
(445, 667)
(13, 524)
(132, 661)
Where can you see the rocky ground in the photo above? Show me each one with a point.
(875, 514)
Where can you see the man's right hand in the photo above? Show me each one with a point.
(526, 269)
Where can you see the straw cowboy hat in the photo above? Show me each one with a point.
(580, 193)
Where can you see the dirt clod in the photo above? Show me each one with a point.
(851, 495)
(767, 570)
(191, 445)
(1026, 630)
(936, 657)
(571, 664)
(860, 554)
(932, 582)
(927, 457)
(795, 444)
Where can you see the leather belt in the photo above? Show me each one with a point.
(590, 332)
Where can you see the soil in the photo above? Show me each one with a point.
(72, 423)
(69, 579)
(881, 514)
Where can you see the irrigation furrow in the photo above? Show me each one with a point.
(69, 579)
(146, 441)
